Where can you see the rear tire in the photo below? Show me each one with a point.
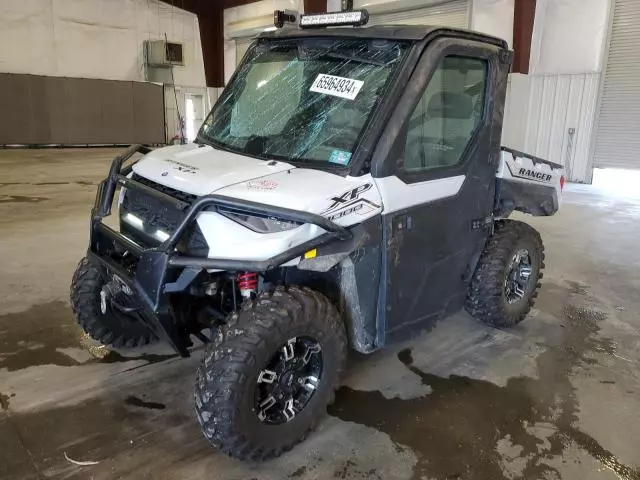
(491, 297)
(110, 328)
(230, 385)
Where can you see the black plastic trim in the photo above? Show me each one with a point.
(533, 158)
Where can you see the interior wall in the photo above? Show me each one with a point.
(70, 111)
(551, 112)
(569, 36)
(551, 116)
(494, 17)
(97, 39)
(94, 38)
(247, 21)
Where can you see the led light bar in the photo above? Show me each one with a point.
(356, 18)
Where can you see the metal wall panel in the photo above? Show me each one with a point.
(15, 101)
(617, 141)
(117, 112)
(148, 112)
(39, 110)
(552, 116)
(55, 105)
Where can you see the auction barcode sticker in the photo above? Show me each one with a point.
(337, 86)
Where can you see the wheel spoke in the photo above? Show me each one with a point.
(289, 349)
(310, 383)
(265, 405)
(525, 272)
(289, 412)
(518, 291)
(267, 376)
(103, 301)
(310, 351)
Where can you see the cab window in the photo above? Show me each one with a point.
(447, 115)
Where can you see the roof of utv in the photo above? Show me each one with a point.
(388, 32)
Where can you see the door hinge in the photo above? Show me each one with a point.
(485, 223)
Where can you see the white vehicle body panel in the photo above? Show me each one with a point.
(204, 170)
(525, 170)
(397, 195)
(347, 201)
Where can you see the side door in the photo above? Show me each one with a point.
(437, 181)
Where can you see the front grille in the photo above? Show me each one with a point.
(185, 197)
(159, 215)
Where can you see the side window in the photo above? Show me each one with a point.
(447, 116)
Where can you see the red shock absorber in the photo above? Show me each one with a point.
(248, 283)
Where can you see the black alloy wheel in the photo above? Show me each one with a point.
(289, 380)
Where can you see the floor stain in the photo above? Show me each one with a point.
(138, 402)
(299, 472)
(39, 335)
(454, 431)
(99, 429)
(79, 182)
(4, 401)
(350, 471)
(21, 199)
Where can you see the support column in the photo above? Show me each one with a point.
(523, 18)
(212, 39)
(315, 6)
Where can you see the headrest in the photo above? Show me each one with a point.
(450, 105)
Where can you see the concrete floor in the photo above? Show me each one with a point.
(556, 397)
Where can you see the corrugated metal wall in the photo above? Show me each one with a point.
(617, 140)
(41, 110)
(552, 116)
(452, 14)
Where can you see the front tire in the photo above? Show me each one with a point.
(268, 376)
(504, 286)
(100, 320)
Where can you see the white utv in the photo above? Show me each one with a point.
(347, 190)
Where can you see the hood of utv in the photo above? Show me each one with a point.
(201, 170)
(204, 170)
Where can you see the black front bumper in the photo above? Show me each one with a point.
(158, 272)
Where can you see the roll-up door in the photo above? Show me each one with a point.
(617, 141)
(452, 14)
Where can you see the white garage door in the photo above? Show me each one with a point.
(453, 14)
(617, 140)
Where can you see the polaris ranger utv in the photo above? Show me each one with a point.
(347, 190)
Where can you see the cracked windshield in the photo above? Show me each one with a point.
(304, 100)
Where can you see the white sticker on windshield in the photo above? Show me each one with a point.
(337, 86)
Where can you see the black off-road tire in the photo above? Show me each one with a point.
(226, 381)
(487, 299)
(108, 329)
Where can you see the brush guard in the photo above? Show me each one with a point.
(153, 274)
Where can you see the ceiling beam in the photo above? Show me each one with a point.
(315, 6)
(196, 6)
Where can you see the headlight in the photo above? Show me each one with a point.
(259, 223)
